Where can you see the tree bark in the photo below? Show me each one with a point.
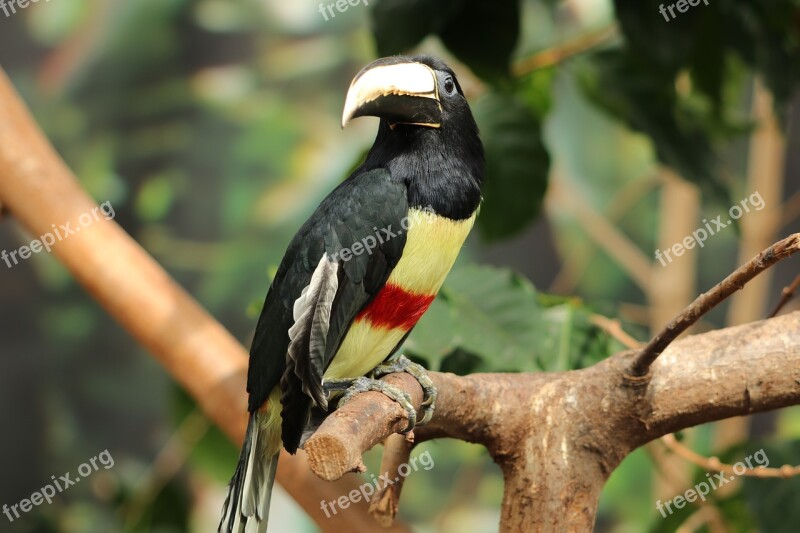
(558, 436)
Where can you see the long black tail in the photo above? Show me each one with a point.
(250, 489)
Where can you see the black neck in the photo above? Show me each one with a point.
(442, 168)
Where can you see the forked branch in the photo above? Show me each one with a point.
(709, 300)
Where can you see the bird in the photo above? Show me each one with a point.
(362, 270)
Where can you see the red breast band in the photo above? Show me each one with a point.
(393, 307)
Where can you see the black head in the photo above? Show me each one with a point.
(427, 135)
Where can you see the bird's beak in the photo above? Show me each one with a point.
(401, 93)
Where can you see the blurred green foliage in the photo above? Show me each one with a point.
(498, 317)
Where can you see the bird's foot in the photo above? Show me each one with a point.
(352, 387)
(401, 363)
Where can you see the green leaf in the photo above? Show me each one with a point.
(461, 363)
(703, 51)
(495, 316)
(663, 47)
(517, 165)
(702, 41)
(427, 338)
(621, 85)
(399, 25)
(567, 340)
(768, 40)
(492, 320)
(772, 501)
(483, 35)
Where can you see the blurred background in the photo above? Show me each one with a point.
(212, 127)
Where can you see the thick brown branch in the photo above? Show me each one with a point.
(730, 372)
(708, 300)
(558, 436)
(337, 446)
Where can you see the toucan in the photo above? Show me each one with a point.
(362, 270)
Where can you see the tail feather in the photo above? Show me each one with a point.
(250, 489)
(249, 495)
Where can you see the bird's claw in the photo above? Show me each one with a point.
(401, 363)
(365, 384)
(352, 387)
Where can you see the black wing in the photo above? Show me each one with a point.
(356, 210)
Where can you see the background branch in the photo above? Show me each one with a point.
(566, 50)
(786, 295)
(713, 464)
(39, 190)
(396, 452)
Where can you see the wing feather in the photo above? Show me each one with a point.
(308, 335)
(313, 300)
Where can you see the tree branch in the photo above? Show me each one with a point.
(558, 436)
(337, 446)
(786, 295)
(709, 300)
(713, 464)
(566, 50)
(396, 453)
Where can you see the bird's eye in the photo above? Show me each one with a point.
(449, 86)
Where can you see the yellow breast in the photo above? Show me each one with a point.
(432, 246)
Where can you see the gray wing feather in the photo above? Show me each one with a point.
(312, 312)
